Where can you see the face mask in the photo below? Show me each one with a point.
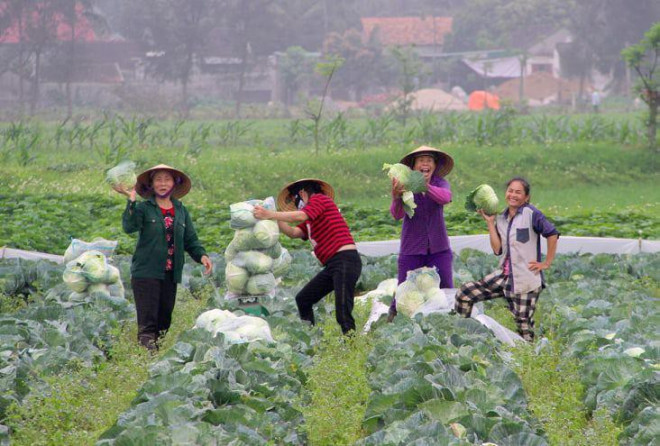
(299, 202)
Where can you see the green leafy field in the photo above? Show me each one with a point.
(73, 374)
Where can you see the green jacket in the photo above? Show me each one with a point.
(150, 254)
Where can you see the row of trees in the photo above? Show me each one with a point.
(182, 30)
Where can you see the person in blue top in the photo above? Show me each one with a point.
(515, 235)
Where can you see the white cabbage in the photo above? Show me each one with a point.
(236, 329)
(94, 266)
(254, 261)
(282, 264)
(241, 215)
(123, 174)
(388, 286)
(74, 278)
(236, 278)
(425, 278)
(260, 284)
(266, 232)
(408, 302)
(244, 240)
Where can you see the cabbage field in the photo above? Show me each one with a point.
(438, 379)
(72, 374)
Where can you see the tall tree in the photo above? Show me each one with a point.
(296, 67)
(12, 17)
(644, 57)
(361, 60)
(41, 21)
(177, 34)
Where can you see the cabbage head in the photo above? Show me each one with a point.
(73, 277)
(111, 275)
(274, 251)
(244, 240)
(236, 278)
(254, 261)
(483, 197)
(123, 174)
(93, 264)
(412, 180)
(260, 284)
(241, 215)
(408, 302)
(208, 319)
(282, 263)
(425, 279)
(230, 251)
(266, 233)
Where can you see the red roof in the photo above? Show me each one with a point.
(83, 29)
(407, 30)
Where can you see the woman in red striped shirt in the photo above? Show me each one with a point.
(309, 203)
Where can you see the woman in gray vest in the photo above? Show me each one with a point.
(515, 235)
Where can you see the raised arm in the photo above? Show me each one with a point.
(283, 218)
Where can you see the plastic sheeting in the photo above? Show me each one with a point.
(9, 253)
(591, 245)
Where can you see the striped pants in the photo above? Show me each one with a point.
(522, 305)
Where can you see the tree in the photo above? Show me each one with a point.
(361, 60)
(295, 67)
(643, 58)
(410, 70)
(176, 32)
(326, 69)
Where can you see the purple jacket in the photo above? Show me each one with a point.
(425, 233)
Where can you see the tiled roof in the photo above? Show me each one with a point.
(407, 30)
(83, 30)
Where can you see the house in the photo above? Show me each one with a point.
(426, 35)
(99, 59)
(539, 64)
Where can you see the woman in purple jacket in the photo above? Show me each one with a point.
(424, 240)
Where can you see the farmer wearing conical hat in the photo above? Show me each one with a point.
(165, 230)
(424, 239)
(309, 203)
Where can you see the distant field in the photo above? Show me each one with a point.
(53, 187)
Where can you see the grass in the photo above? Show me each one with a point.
(79, 404)
(338, 386)
(553, 387)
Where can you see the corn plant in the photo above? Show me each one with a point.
(135, 130)
(175, 132)
(378, 128)
(232, 131)
(198, 140)
(24, 147)
(336, 132)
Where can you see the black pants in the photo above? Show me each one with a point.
(154, 304)
(340, 275)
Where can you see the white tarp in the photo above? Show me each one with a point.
(9, 253)
(591, 245)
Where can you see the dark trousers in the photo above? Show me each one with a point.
(340, 275)
(154, 304)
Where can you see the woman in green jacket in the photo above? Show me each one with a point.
(165, 230)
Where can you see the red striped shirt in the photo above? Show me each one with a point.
(325, 227)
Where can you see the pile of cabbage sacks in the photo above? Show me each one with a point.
(235, 329)
(420, 293)
(90, 273)
(255, 258)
